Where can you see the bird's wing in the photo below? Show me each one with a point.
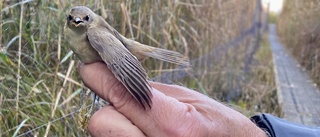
(126, 68)
(142, 50)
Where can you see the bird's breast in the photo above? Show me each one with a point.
(79, 44)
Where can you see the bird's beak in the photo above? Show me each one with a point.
(77, 19)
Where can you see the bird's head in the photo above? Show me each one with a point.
(80, 17)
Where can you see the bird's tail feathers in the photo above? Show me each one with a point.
(142, 50)
(168, 56)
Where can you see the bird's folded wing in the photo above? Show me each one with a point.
(126, 68)
(143, 51)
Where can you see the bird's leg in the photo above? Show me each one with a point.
(95, 101)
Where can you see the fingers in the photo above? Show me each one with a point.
(100, 79)
(178, 92)
(107, 122)
(160, 120)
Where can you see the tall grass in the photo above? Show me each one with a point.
(299, 29)
(39, 84)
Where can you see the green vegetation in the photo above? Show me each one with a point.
(299, 28)
(273, 17)
(39, 85)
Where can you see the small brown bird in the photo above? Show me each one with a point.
(92, 39)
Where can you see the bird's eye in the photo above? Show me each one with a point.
(70, 17)
(86, 18)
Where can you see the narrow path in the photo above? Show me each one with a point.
(299, 98)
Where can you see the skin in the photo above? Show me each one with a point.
(92, 39)
(177, 111)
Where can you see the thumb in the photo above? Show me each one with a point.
(109, 122)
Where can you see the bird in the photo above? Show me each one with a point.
(92, 39)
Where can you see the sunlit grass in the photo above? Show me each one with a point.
(48, 84)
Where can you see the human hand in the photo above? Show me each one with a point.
(176, 111)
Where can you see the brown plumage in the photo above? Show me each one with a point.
(92, 39)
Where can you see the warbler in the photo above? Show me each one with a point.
(92, 39)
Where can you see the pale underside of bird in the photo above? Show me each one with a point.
(92, 39)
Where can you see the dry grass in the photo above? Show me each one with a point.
(39, 85)
(299, 29)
